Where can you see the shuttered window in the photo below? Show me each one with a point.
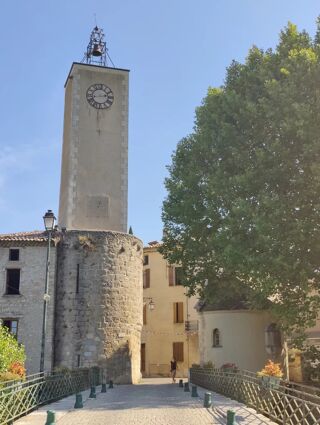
(145, 314)
(175, 276)
(146, 278)
(171, 275)
(178, 313)
(178, 351)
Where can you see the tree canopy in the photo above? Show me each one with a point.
(243, 206)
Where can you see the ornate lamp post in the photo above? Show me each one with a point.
(49, 222)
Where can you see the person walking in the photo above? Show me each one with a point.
(173, 369)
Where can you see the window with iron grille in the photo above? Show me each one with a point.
(216, 338)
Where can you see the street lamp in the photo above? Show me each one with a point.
(151, 303)
(49, 221)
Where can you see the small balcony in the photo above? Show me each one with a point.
(191, 326)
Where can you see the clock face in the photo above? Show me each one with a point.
(100, 96)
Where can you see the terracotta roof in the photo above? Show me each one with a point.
(153, 245)
(35, 237)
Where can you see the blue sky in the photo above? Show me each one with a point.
(175, 50)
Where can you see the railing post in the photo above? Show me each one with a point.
(207, 400)
(78, 403)
(51, 417)
(231, 417)
(194, 392)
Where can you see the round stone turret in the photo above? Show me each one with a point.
(99, 303)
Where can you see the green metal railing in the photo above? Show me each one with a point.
(19, 398)
(286, 403)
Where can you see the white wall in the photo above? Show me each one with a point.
(242, 338)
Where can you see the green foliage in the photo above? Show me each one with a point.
(243, 204)
(10, 350)
(311, 362)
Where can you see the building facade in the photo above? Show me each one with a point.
(22, 283)
(170, 322)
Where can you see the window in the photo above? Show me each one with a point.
(13, 282)
(78, 360)
(13, 254)
(146, 278)
(178, 351)
(143, 357)
(146, 260)
(175, 276)
(11, 325)
(177, 312)
(178, 276)
(77, 279)
(145, 314)
(216, 338)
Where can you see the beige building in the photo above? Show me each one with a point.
(22, 283)
(167, 314)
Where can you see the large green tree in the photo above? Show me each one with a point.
(243, 206)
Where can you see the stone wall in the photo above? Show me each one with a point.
(27, 307)
(99, 303)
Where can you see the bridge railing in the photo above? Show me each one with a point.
(285, 402)
(19, 398)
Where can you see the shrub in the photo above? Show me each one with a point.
(18, 369)
(10, 350)
(271, 369)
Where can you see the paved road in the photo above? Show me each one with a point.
(153, 402)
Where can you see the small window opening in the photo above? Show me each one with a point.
(14, 254)
(216, 338)
(146, 260)
(78, 279)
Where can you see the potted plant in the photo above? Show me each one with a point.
(271, 375)
(229, 367)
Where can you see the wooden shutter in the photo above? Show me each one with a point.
(143, 357)
(171, 275)
(180, 313)
(178, 351)
(145, 314)
(146, 278)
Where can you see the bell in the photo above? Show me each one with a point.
(97, 50)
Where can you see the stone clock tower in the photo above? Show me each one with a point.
(98, 311)
(93, 191)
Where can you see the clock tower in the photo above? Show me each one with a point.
(98, 299)
(94, 172)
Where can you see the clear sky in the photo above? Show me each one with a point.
(175, 50)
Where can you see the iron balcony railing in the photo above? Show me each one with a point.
(19, 398)
(191, 326)
(286, 403)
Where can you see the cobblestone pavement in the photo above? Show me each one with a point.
(153, 402)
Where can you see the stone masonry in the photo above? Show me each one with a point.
(27, 307)
(99, 302)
